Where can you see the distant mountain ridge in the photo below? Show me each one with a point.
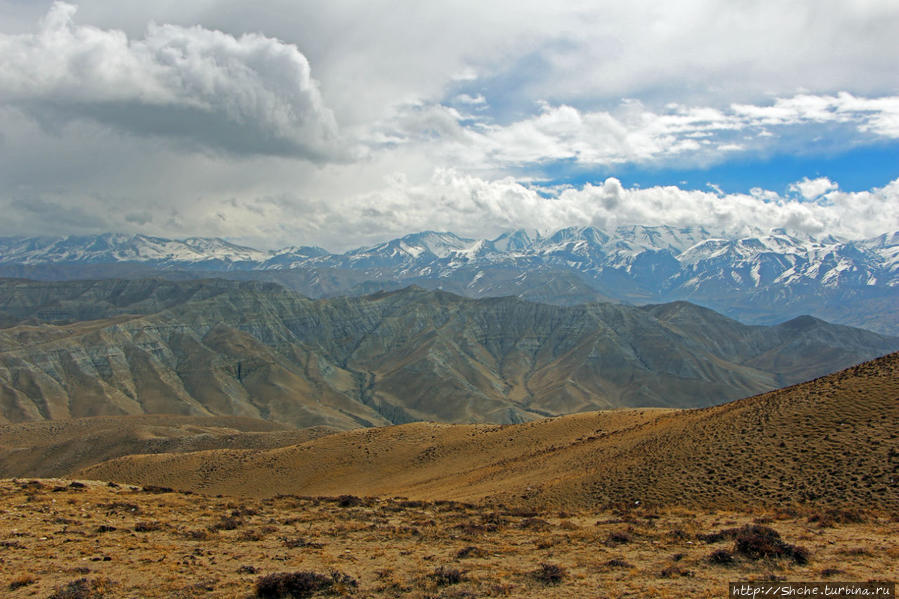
(253, 349)
(764, 278)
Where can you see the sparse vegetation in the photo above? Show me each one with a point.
(372, 551)
(549, 574)
(292, 585)
(81, 589)
(722, 557)
(21, 580)
(757, 542)
(444, 576)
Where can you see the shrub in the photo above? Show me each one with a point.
(470, 551)
(228, 523)
(757, 542)
(147, 526)
(549, 574)
(721, 557)
(673, 571)
(444, 576)
(617, 563)
(535, 524)
(79, 589)
(836, 516)
(619, 538)
(21, 580)
(348, 501)
(296, 585)
(291, 584)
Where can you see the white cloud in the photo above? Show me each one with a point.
(633, 133)
(247, 94)
(812, 189)
(476, 207)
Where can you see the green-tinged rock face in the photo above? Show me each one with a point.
(257, 350)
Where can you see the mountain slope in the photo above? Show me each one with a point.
(260, 351)
(829, 442)
(761, 278)
(57, 447)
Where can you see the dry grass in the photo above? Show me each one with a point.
(832, 443)
(52, 546)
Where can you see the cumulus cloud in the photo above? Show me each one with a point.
(248, 94)
(812, 189)
(635, 134)
(476, 207)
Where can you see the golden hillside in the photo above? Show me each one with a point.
(830, 441)
(57, 447)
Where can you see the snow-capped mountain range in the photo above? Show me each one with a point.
(765, 277)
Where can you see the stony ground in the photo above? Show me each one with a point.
(70, 540)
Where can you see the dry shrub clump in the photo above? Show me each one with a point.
(835, 516)
(81, 589)
(757, 542)
(444, 576)
(296, 585)
(470, 551)
(21, 580)
(549, 574)
(721, 557)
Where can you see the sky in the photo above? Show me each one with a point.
(349, 122)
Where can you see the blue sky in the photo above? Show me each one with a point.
(338, 124)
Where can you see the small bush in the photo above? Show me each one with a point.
(721, 535)
(757, 542)
(291, 585)
(549, 574)
(252, 535)
(296, 585)
(444, 576)
(156, 489)
(228, 523)
(535, 524)
(721, 557)
(147, 526)
(80, 589)
(835, 516)
(198, 534)
(675, 571)
(301, 542)
(22, 580)
(348, 501)
(619, 538)
(617, 563)
(470, 551)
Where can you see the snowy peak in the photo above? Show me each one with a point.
(112, 247)
(514, 241)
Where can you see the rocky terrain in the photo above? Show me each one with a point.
(215, 347)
